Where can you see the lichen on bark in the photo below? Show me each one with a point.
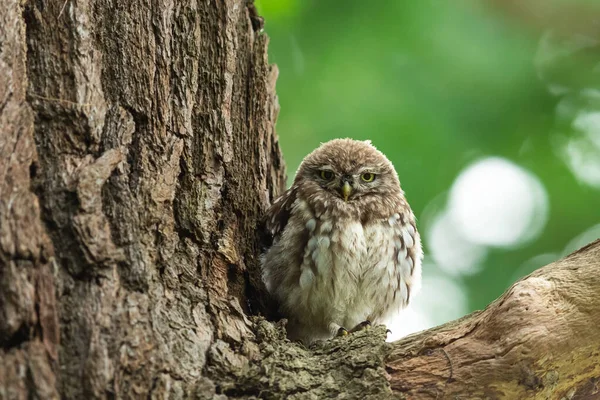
(343, 367)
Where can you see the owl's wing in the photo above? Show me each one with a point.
(277, 216)
(408, 253)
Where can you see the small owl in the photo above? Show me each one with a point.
(345, 249)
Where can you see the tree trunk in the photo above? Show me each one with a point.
(138, 153)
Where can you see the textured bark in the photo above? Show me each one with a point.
(138, 153)
(28, 314)
(156, 154)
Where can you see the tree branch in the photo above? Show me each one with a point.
(540, 339)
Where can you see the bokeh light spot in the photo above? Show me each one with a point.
(581, 152)
(445, 300)
(495, 202)
(450, 250)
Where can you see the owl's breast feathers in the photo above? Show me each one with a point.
(330, 261)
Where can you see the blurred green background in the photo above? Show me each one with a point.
(490, 116)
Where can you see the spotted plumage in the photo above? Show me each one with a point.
(345, 248)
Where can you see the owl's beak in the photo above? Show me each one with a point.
(346, 190)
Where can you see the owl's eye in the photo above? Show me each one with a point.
(326, 175)
(367, 177)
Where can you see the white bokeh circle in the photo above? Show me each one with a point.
(495, 202)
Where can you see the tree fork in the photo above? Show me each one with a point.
(540, 339)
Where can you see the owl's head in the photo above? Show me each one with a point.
(349, 170)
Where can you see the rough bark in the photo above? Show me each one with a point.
(137, 153)
(28, 315)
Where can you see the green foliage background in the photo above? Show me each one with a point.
(435, 85)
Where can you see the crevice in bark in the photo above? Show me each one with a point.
(21, 336)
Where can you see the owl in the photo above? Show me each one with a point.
(345, 250)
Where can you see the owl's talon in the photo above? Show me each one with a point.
(342, 332)
(360, 327)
